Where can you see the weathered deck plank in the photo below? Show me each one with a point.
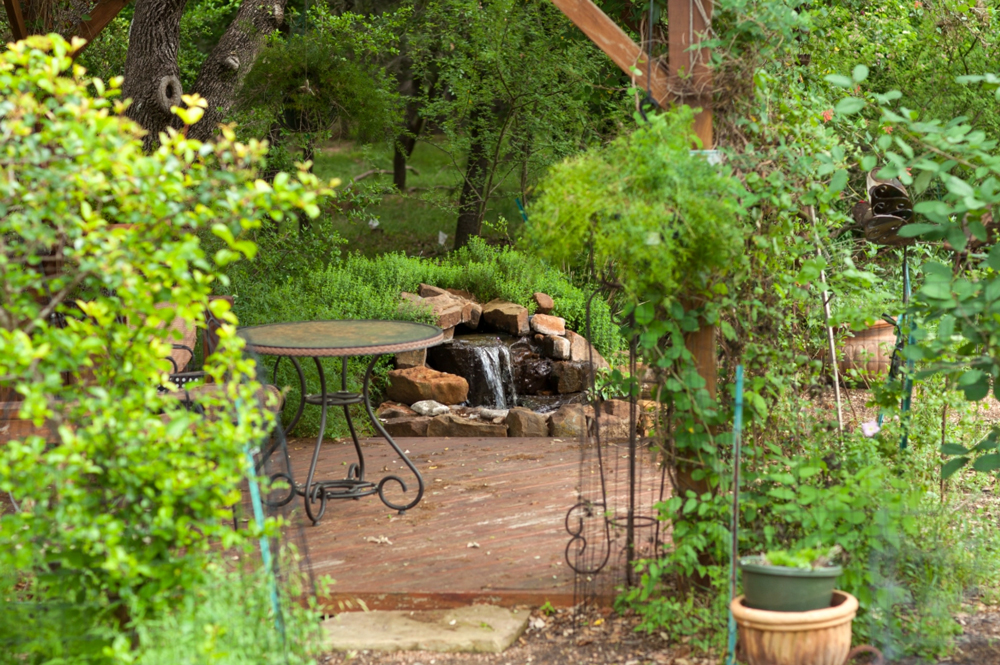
(490, 527)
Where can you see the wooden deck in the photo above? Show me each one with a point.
(489, 529)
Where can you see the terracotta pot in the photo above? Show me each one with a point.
(13, 427)
(818, 637)
(869, 350)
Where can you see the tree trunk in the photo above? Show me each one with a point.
(405, 143)
(471, 204)
(151, 71)
(220, 77)
(414, 125)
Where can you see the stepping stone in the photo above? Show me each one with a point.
(475, 629)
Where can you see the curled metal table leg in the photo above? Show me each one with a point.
(377, 424)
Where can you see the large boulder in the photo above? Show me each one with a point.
(580, 350)
(612, 428)
(506, 317)
(523, 422)
(446, 309)
(392, 410)
(532, 370)
(449, 424)
(543, 324)
(429, 291)
(461, 293)
(570, 377)
(421, 383)
(556, 347)
(411, 359)
(569, 422)
(475, 314)
(405, 427)
(543, 303)
(616, 407)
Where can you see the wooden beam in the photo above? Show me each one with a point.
(15, 18)
(691, 75)
(688, 23)
(100, 16)
(617, 45)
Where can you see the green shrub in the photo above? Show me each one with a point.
(125, 504)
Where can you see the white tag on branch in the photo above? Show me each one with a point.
(442, 238)
(473, 544)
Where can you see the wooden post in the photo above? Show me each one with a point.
(16, 19)
(688, 22)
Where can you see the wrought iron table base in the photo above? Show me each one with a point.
(355, 485)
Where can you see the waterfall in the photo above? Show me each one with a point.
(497, 373)
(507, 374)
(490, 359)
(485, 361)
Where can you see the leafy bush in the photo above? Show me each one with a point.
(126, 501)
(663, 219)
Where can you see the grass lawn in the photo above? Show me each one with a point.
(410, 222)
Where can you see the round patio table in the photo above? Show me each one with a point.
(342, 339)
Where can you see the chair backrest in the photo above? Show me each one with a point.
(184, 337)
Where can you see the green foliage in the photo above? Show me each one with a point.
(125, 502)
(920, 49)
(324, 77)
(806, 558)
(911, 554)
(230, 620)
(662, 218)
(202, 25)
(511, 85)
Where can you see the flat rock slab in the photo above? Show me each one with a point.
(475, 629)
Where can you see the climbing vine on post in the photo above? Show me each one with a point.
(662, 227)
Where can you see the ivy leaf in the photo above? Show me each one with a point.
(860, 73)
(993, 261)
(978, 390)
(953, 449)
(839, 181)
(839, 81)
(849, 105)
(987, 463)
(949, 469)
(914, 230)
(922, 181)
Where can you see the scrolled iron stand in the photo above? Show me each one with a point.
(355, 485)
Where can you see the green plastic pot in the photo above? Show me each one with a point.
(783, 589)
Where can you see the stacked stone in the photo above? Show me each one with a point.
(427, 402)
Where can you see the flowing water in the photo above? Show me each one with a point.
(485, 362)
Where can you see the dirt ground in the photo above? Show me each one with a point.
(597, 637)
(604, 638)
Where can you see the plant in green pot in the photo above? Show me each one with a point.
(790, 581)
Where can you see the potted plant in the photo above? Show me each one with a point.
(790, 581)
(791, 613)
